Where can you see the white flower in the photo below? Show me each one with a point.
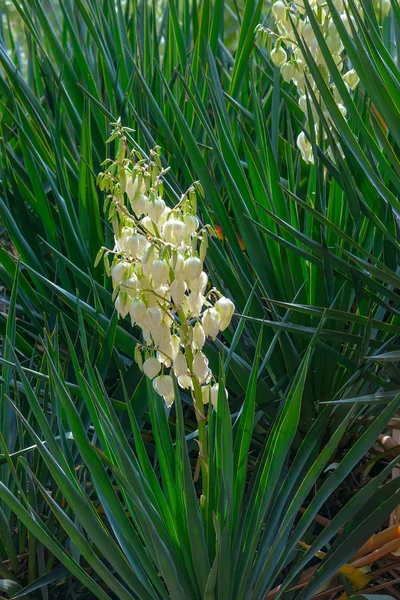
(287, 71)
(151, 367)
(136, 244)
(192, 268)
(148, 258)
(140, 205)
(132, 283)
(191, 223)
(278, 56)
(148, 225)
(226, 308)
(199, 284)
(176, 262)
(185, 381)
(195, 304)
(122, 304)
(211, 322)
(169, 400)
(175, 345)
(205, 393)
(160, 271)
(164, 385)
(155, 209)
(137, 312)
(133, 185)
(174, 231)
(200, 368)
(214, 394)
(178, 289)
(119, 272)
(180, 365)
(308, 33)
(305, 147)
(152, 319)
(199, 337)
(162, 338)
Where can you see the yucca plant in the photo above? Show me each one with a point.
(298, 242)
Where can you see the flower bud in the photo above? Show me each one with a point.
(136, 245)
(174, 231)
(180, 365)
(164, 385)
(226, 308)
(199, 337)
(137, 312)
(119, 272)
(160, 271)
(155, 209)
(211, 321)
(192, 268)
(178, 289)
(200, 368)
(214, 395)
(278, 56)
(151, 367)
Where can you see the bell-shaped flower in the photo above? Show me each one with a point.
(155, 209)
(137, 312)
(136, 245)
(122, 304)
(192, 268)
(163, 385)
(192, 224)
(200, 368)
(226, 308)
(119, 272)
(151, 367)
(211, 322)
(174, 231)
(214, 392)
(195, 304)
(199, 284)
(199, 337)
(160, 271)
(140, 205)
(178, 289)
(180, 365)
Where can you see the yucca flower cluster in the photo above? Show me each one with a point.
(287, 55)
(158, 274)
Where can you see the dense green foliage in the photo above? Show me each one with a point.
(98, 473)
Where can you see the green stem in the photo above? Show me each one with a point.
(200, 415)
